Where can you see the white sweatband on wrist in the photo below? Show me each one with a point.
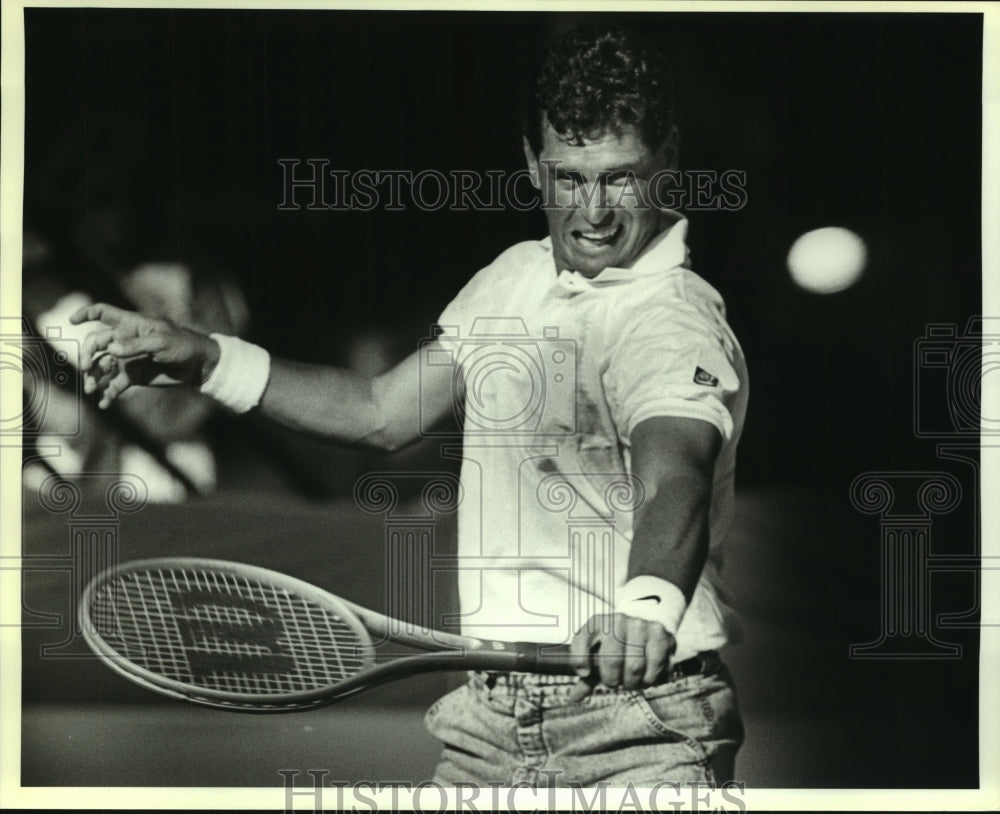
(241, 374)
(652, 599)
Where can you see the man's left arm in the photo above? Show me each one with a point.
(673, 459)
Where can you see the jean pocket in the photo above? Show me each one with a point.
(678, 713)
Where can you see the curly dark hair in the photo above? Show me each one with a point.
(595, 80)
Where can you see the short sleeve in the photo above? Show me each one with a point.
(486, 293)
(457, 316)
(674, 359)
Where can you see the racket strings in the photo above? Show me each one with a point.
(226, 632)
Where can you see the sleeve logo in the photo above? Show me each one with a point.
(702, 376)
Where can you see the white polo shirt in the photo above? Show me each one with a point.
(558, 370)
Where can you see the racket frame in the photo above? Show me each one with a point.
(465, 653)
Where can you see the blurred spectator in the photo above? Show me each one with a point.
(103, 222)
(95, 229)
(169, 422)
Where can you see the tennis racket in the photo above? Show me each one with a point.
(239, 637)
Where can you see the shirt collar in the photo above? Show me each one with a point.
(665, 252)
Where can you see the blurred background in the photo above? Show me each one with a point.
(152, 180)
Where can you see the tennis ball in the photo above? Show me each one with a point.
(827, 260)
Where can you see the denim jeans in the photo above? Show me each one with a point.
(521, 728)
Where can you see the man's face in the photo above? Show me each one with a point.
(595, 197)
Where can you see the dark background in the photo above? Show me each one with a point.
(870, 121)
(169, 126)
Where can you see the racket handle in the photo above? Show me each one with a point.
(529, 657)
(553, 660)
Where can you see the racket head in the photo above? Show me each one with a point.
(223, 634)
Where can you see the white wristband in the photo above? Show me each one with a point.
(654, 600)
(241, 374)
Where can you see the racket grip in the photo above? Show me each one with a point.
(520, 657)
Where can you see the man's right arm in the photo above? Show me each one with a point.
(386, 412)
(338, 405)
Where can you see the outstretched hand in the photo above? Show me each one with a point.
(620, 650)
(132, 350)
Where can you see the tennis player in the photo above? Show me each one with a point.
(603, 396)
